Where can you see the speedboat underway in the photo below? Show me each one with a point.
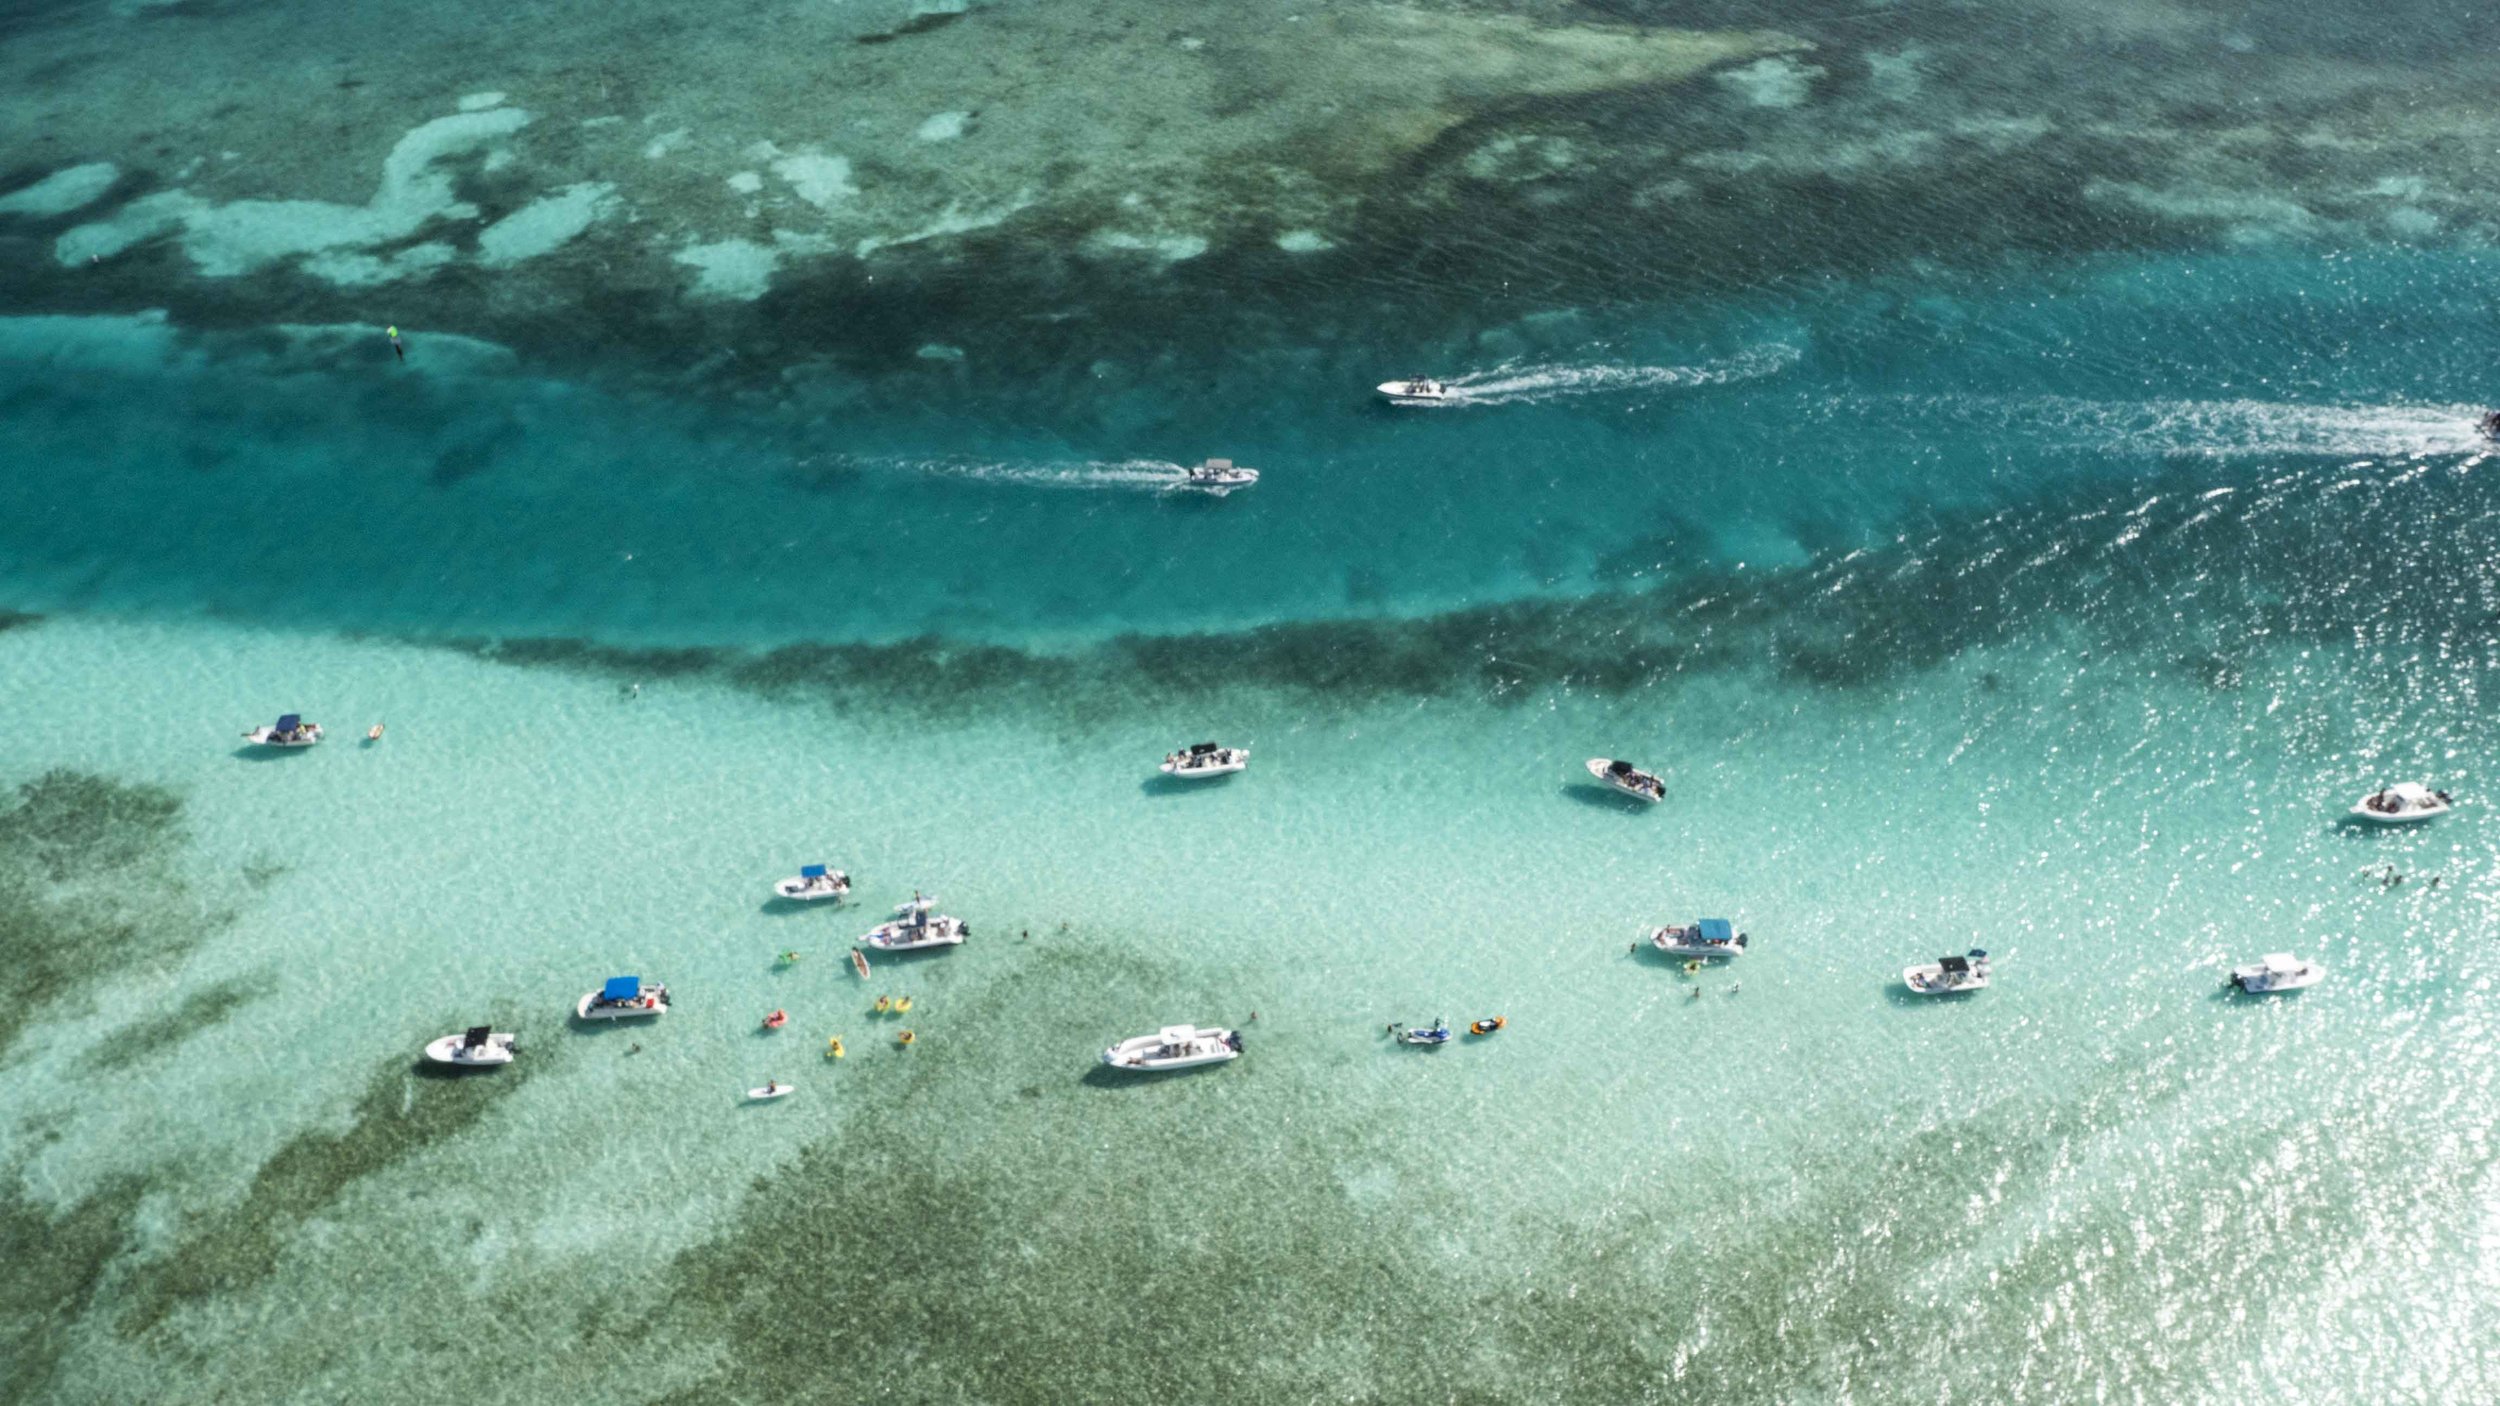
(2280, 971)
(2489, 425)
(622, 998)
(479, 1046)
(1437, 1033)
(1219, 476)
(1710, 937)
(1948, 976)
(1421, 390)
(290, 731)
(815, 882)
(915, 927)
(1175, 1047)
(1206, 759)
(2402, 804)
(1629, 779)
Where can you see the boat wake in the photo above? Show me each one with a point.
(1513, 383)
(2229, 429)
(1107, 475)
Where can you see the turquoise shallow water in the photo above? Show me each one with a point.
(1999, 527)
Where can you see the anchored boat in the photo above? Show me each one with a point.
(1710, 937)
(2405, 803)
(623, 998)
(915, 927)
(1175, 1047)
(1629, 779)
(289, 731)
(1949, 976)
(477, 1047)
(2277, 972)
(815, 883)
(1201, 759)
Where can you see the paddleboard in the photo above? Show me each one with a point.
(859, 963)
(760, 1095)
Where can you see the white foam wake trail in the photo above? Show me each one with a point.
(1131, 475)
(1512, 384)
(2242, 428)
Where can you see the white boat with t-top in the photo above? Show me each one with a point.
(915, 927)
(1418, 390)
(1628, 779)
(1949, 976)
(476, 1047)
(1709, 937)
(2404, 803)
(814, 884)
(1175, 1047)
(623, 998)
(1205, 759)
(289, 731)
(1218, 476)
(2277, 972)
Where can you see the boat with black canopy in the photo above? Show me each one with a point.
(1203, 759)
(475, 1048)
(1949, 976)
(289, 731)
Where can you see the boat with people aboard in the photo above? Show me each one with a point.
(622, 998)
(815, 883)
(1218, 476)
(475, 1048)
(290, 730)
(1949, 976)
(1628, 779)
(1201, 759)
(915, 927)
(1415, 390)
(1175, 1047)
(1437, 1033)
(2277, 972)
(1707, 937)
(2405, 803)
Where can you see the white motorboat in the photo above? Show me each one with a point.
(1949, 976)
(476, 1047)
(289, 731)
(1629, 779)
(1437, 1033)
(915, 927)
(1218, 476)
(1201, 759)
(623, 998)
(2404, 803)
(1419, 390)
(2278, 971)
(1710, 937)
(1175, 1047)
(814, 884)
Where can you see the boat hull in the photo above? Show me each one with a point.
(449, 1050)
(1924, 980)
(1396, 393)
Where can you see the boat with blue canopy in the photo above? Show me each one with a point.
(621, 998)
(814, 884)
(289, 731)
(1710, 937)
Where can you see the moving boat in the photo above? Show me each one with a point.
(1421, 390)
(1629, 779)
(1437, 1033)
(2278, 971)
(475, 1048)
(1206, 759)
(815, 882)
(289, 731)
(1175, 1047)
(2404, 803)
(2489, 425)
(1949, 976)
(1219, 476)
(622, 998)
(915, 927)
(1710, 937)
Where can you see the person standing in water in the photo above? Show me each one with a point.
(397, 346)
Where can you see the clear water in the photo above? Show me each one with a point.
(2017, 582)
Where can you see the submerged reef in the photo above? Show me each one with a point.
(2266, 564)
(831, 189)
